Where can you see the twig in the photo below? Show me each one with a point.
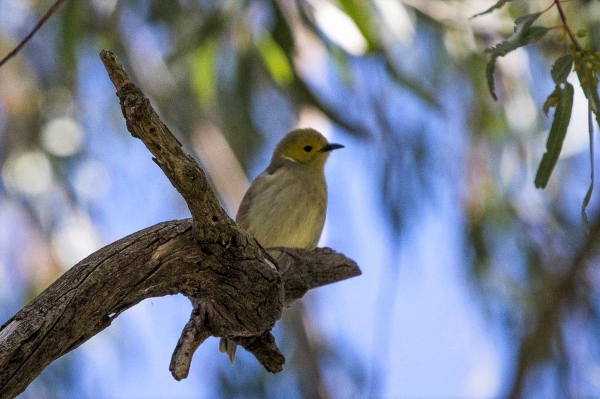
(194, 333)
(37, 27)
(563, 18)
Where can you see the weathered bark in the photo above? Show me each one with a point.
(235, 286)
(161, 260)
(301, 270)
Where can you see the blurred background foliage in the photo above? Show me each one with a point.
(433, 165)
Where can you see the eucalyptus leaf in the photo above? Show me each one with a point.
(526, 20)
(535, 33)
(275, 60)
(558, 131)
(552, 100)
(588, 194)
(489, 74)
(204, 66)
(496, 6)
(523, 34)
(562, 68)
(587, 198)
(363, 16)
(71, 29)
(590, 89)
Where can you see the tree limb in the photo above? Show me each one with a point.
(235, 286)
(181, 169)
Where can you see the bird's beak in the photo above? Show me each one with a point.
(331, 147)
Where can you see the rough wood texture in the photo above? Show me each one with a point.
(301, 270)
(235, 286)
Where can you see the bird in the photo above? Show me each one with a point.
(285, 205)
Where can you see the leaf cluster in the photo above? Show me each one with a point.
(586, 65)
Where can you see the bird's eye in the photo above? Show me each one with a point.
(307, 148)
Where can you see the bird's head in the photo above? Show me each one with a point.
(304, 146)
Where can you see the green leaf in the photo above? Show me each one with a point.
(72, 26)
(524, 34)
(204, 78)
(361, 14)
(534, 33)
(588, 194)
(282, 31)
(590, 88)
(552, 100)
(525, 21)
(589, 85)
(558, 131)
(275, 60)
(489, 74)
(496, 6)
(587, 198)
(562, 68)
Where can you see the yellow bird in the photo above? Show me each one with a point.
(285, 205)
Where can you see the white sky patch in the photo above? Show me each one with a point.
(521, 111)
(92, 180)
(105, 7)
(222, 165)
(593, 374)
(397, 20)
(339, 27)
(313, 118)
(483, 381)
(148, 62)
(28, 172)
(4, 283)
(74, 240)
(577, 138)
(62, 137)
(510, 164)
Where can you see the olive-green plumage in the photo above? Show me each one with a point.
(285, 205)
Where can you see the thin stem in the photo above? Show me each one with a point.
(547, 8)
(37, 27)
(588, 195)
(563, 18)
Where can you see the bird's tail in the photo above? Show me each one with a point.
(229, 347)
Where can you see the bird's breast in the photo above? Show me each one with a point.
(284, 209)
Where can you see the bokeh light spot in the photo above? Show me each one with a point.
(62, 137)
(339, 27)
(27, 172)
(74, 240)
(92, 180)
